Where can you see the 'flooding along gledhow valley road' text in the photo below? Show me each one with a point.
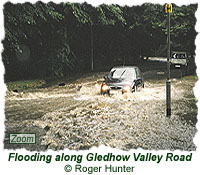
(109, 157)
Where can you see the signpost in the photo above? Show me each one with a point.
(92, 49)
(168, 10)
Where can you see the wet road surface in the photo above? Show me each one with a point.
(76, 116)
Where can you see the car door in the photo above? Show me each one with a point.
(139, 79)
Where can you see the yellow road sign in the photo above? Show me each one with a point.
(168, 8)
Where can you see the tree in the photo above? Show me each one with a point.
(65, 38)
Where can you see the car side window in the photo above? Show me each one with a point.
(138, 73)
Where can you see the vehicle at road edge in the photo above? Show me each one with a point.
(179, 59)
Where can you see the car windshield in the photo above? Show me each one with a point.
(122, 73)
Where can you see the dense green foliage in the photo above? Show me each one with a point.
(43, 40)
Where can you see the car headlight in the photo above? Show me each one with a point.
(127, 89)
(105, 87)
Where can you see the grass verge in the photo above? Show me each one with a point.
(25, 84)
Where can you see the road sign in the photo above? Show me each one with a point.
(168, 8)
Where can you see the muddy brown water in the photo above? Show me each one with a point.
(76, 116)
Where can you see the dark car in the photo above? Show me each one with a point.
(126, 79)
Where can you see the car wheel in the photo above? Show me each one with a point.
(104, 93)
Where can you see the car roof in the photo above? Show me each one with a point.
(125, 67)
(179, 52)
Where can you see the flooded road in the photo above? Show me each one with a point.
(76, 116)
